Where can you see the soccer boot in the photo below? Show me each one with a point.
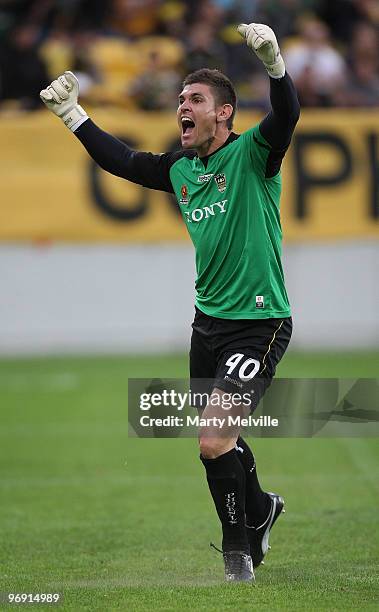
(258, 536)
(238, 567)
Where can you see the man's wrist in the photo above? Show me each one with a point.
(74, 117)
(276, 70)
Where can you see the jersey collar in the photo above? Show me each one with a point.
(232, 136)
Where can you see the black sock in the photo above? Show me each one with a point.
(257, 503)
(226, 480)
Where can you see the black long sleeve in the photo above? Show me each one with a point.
(279, 124)
(116, 157)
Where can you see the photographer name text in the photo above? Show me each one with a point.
(216, 422)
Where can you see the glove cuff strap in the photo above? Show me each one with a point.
(74, 117)
(276, 70)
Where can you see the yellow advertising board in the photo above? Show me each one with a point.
(51, 189)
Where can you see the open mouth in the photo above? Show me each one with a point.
(187, 126)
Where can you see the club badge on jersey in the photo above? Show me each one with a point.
(220, 182)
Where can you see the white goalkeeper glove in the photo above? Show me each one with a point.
(263, 42)
(61, 97)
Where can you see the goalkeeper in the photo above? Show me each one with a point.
(228, 189)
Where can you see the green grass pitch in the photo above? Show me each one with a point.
(124, 524)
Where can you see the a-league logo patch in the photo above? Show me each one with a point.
(220, 182)
(184, 194)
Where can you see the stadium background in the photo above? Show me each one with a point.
(97, 268)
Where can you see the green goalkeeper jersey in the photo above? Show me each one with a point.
(232, 213)
(229, 202)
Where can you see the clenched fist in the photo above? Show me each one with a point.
(61, 97)
(262, 41)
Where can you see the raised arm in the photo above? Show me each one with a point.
(278, 126)
(114, 156)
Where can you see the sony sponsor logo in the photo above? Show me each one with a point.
(199, 214)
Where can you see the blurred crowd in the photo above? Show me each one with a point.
(135, 53)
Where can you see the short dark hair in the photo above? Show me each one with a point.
(222, 87)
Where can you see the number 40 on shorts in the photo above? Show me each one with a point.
(247, 369)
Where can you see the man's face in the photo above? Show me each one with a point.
(197, 115)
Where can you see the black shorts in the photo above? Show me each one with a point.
(236, 356)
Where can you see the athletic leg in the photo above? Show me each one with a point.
(257, 502)
(252, 353)
(225, 473)
(226, 481)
